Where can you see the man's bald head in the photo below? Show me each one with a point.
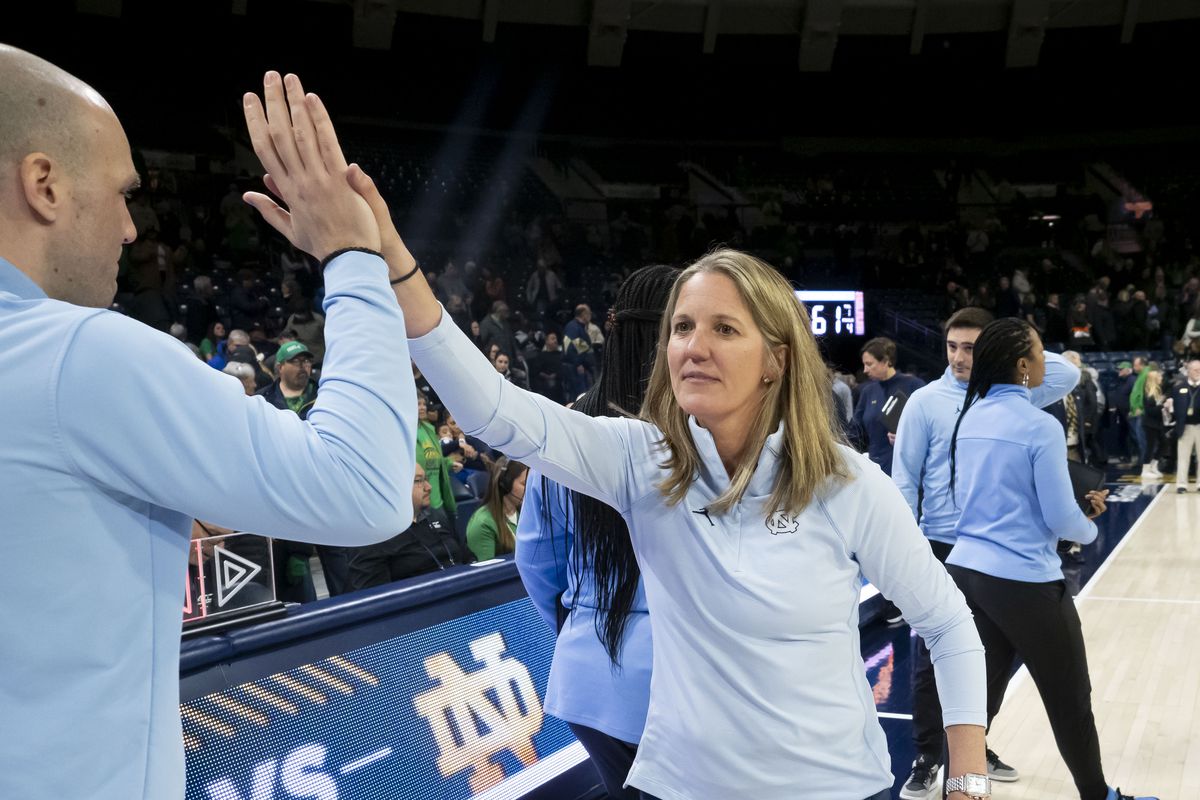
(43, 108)
(65, 172)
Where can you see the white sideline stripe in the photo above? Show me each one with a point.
(892, 715)
(1142, 600)
(365, 760)
(534, 776)
(1023, 672)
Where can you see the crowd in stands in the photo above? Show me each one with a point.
(534, 296)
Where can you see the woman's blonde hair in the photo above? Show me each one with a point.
(802, 396)
(1153, 387)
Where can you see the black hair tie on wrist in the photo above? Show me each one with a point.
(325, 261)
(403, 278)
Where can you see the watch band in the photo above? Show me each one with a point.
(977, 787)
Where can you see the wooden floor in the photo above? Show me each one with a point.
(1141, 622)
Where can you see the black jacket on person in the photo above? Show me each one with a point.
(1087, 409)
(429, 544)
(273, 394)
(1185, 397)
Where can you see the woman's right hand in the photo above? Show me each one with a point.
(1097, 500)
(422, 312)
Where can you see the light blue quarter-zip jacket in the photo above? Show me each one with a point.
(758, 687)
(921, 467)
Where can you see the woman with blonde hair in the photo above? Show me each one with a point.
(752, 525)
(1152, 422)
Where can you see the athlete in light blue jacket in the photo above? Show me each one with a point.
(921, 470)
(1009, 470)
(752, 528)
(571, 545)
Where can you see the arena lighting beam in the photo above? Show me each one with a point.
(920, 21)
(1026, 32)
(374, 23)
(453, 152)
(488, 215)
(607, 32)
(712, 23)
(819, 36)
(1130, 20)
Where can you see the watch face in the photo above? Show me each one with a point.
(976, 784)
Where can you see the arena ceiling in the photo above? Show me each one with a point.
(816, 24)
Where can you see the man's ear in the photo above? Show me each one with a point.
(43, 186)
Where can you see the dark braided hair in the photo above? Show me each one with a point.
(601, 536)
(999, 346)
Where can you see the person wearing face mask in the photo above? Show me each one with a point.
(1009, 476)
(921, 470)
(491, 531)
(884, 384)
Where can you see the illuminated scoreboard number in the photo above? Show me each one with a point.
(834, 313)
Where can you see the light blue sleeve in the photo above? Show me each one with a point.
(1052, 483)
(588, 454)
(139, 414)
(1061, 379)
(894, 556)
(911, 450)
(542, 554)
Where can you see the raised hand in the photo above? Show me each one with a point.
(295, 141)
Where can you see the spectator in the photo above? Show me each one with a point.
(450, 282)
(457, 310)
(1153, 397)
(493, 527)
(1118, 407)
(542, 289)
(1008, 304)
(503, 365)
(1090, 403)
(1080, 326)
(547, 368)
(1191, 334)
(248, 305)
(494, 329)
(245, 374)
(201, 310)
(467, 450)
(428, 545)
(1184, 407)
(577, 352)
(437, 467)
(294, 389)
(308, 325)
(249, 355)
(213, 341)
(879, 364)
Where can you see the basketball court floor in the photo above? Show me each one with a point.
(1138, 594)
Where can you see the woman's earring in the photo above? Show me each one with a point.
(766, 379)
(1025, 380)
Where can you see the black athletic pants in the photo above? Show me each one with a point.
(928, 728)
(611, 757)
(1037, 623)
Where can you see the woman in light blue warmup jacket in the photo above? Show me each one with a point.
(1008, 471)
(752, 526)
(573, 547)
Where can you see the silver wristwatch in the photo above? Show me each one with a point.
(977, 787)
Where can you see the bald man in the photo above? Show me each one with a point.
(104, 463)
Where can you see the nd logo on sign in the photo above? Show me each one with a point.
(476, 715)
